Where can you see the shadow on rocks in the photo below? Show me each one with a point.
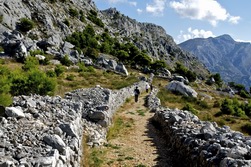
(166, 156)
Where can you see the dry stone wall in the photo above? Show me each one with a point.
(197, 143)
(48, 131)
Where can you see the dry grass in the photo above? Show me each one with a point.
(208, 113)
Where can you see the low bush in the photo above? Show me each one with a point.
(51, 73)
(73, 12)
(246, 128)
(66, 22)
(190, 108)
(59, 70)
(25, 25)
(30, 63)
(5, 99)
(32, 82)
(66, 61)
(92, 16)
(70, 77)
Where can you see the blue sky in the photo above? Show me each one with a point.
(186, 19)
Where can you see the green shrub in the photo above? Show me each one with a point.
(221, 122)
(26, 25)
(190, 108)
(247, 109)
(82, 16)
(32, 82)
(52, 1)
(91, 52)
(158, 64)
(227, 107)
(30, 63)
(66, 22)
(142, 59)
(92, 16)
(122, 55)
(59, 69)
(66, 61)
(36, 52)
(246, 128)
(5, 99)
(51, 73)
(73, 12)
(203, 104)
(207, 117)
(70, 77)
(244, 94)
(5, 83)
(239, 112)
(105, 48)
(217, 79)
(182, 70)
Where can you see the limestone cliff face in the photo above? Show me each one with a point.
(49, 17)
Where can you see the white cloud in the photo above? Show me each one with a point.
(234, 19)
(156, 8)
(139, 11)
(209, 10)
(193, 33)
(133, 3)
(239, 40)
(116, 1)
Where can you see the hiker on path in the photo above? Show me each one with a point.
(136, 93)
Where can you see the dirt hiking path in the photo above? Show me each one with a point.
(138, 143)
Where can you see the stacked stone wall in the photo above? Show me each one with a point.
(48, 131)
(197, 143)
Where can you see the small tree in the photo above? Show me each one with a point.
(217, 79)
(122, 55)
(158, 64)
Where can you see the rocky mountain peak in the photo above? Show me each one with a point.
(225, 37)
(223, 55)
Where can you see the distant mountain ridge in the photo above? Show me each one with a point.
(223, 55)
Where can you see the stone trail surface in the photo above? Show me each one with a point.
(143, 144)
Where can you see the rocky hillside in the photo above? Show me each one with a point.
(151, 38)
(54, 20)
(223, 55)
